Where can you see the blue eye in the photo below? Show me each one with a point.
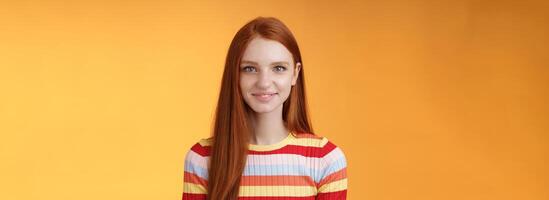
(280, 68)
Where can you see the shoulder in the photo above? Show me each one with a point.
(197, 159)
(320, 144)
(200, 148)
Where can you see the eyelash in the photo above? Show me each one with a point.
(278, 66)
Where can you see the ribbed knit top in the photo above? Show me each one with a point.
(302, 166)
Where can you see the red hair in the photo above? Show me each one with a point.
(231, 129)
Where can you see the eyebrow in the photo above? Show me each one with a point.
(274, 63)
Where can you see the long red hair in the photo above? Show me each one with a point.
(231, 128)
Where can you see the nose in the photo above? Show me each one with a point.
(264, 80)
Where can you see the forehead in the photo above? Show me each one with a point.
(265, 51)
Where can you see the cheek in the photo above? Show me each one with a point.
(245, 83)
(289, 79)
(285, 82)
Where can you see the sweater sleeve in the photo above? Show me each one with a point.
(195, 174)
(333, 182)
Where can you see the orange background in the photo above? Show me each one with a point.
(428, 99)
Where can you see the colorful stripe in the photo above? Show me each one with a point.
(307, 166)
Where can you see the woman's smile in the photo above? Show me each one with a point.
(264, 97)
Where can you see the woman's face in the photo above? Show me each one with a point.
(267, 74)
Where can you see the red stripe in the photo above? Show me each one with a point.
(277, 180)
(201, 150)
(193, 178)
(190, 196)
(339, 195)
(306, 151)
(336, 176)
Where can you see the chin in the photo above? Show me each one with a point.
(262, 109)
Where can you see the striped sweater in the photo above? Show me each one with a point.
(302, 166)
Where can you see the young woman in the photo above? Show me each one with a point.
(263, 145)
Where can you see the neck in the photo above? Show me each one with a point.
(268, 128)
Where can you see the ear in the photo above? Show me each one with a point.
(297, 68)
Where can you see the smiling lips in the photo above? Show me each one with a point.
(264, 97)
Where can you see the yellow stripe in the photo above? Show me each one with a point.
(205, 142)
(193, 188)
(311, 142)
(283, 190)
(334, 186)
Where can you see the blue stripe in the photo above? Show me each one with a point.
(334, 167)
(274, 170)
(195, 169)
